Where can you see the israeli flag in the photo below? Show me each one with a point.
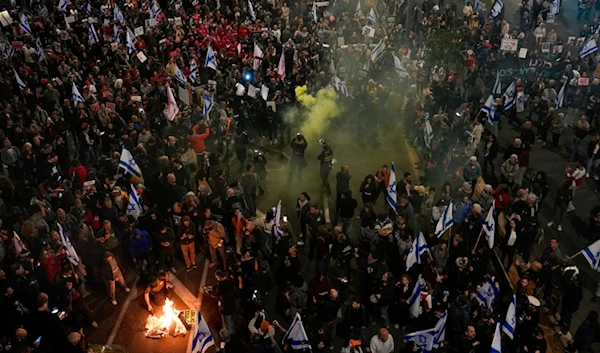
(445, 222)
(588, 48)
(478, 5)
(496, 9)
(314, 12)
(377, 51)
(400, 70)
(277, 229)
(340, 86)
(203, 339)
(118, 16)
(134, 208)
(130, 41)
(489, 225)
(87, 8)
(297, 335)
(211, 59)
(24, 24)
(154, 9)
(127, 162)
(116, 32)
(390, 192)
(62, 5)
(440, 330)
(20, 82)
(414, 301)
(592, 255)
(193, 70)
(40, 49)
(179, 76)
(427, 131)
(560, 97)
(68, 246)
(358, 10)
(497, 89)
(418, 248)
(251, 10)
(510, 323)
(422, 339)
(510, 96)
(554, 7)
(93, 34)
(11, 51)
(76, 96)
(497, 342)
(488, 109)
(488, 294)
(372, 17)
(208, 104)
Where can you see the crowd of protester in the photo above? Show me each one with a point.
(200, 177)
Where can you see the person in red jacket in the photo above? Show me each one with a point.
(77, 173)
(197, 140)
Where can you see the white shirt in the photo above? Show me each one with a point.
(378, 346)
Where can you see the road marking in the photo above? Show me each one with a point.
(183, 293)
(199, 301)
(132, 295)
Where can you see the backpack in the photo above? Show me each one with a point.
(368, 241)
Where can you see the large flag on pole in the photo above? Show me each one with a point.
(445, 222)
(488, 294)
(488, 108)
(296, 335)
(118, 16)
(75, 95)
(172, 108)
(208, 103)
(179, 76)
(154, 9)
(20, 82)
(497, 89)
(414, 301)
(497, 9)
(277, 229)
(68, 246)
(62, 5)
(400, 70)
(211, 59)
(93, 35)
(372, 17)
(510, 96)
(202, 339)
(390, 192)
(510, 322)
(589, 47)
(134, 208)
(127, 162)
(24, 24)
(377, 51)
(358, 10)
(497, 341)
(489, 225)
(560, 97)
(193, 70)
(592, 255)
(130, 41)
(418, 248)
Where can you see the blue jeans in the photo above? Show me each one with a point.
(229, 323)
(576, 143)
(384, 315)
(346, 224)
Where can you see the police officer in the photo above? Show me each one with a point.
(297, 162)
(326, 159)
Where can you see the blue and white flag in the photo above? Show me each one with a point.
(87, 8)
(440, 330)
(588, 48)
(372, 17)
(179, 76)
(93, 34)
(554, 7)
(400, 70)
(296, 336)
(116, 32)
(130, 41)
(278, 232)
(193, 70)
(358, 10)
(11, 51)
(208, 104)
(497, 9)
(510, 96)
(377, 51)
(418, 248)
(445, 222)
(251, 11)
(20, 82)
(488, 109)
(134, 207)
(560, 97)
(340, 86)
(489, 225)
(414, 301)
(510, 323)
(76, 96)
(62, 5)
(391, 194)
(24, 24)
(68, 246)
(202, 339)
(497, 89)
(422, 339)
(427, 131)
(497, 342)
(40, 50)
(488, 294)
(154, 9)
(211, 59)
(127, 162)
(118, 16)
(478, 5)
(592, 255)
(314, 12)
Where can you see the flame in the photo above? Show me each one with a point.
(160, 326)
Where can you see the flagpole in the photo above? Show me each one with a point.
(574, 256)
(478, 239)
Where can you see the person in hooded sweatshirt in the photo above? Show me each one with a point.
(140, 245)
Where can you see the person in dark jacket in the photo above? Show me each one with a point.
(384, 296)
(572, 296)
(327, 308)
(357, 320)
(563, 197)
(588, 333)
(490, 152)
(166, 252)
(368, 189)
(140, 245)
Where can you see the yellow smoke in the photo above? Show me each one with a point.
(321, 110)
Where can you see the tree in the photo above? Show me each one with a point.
(444, 48)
